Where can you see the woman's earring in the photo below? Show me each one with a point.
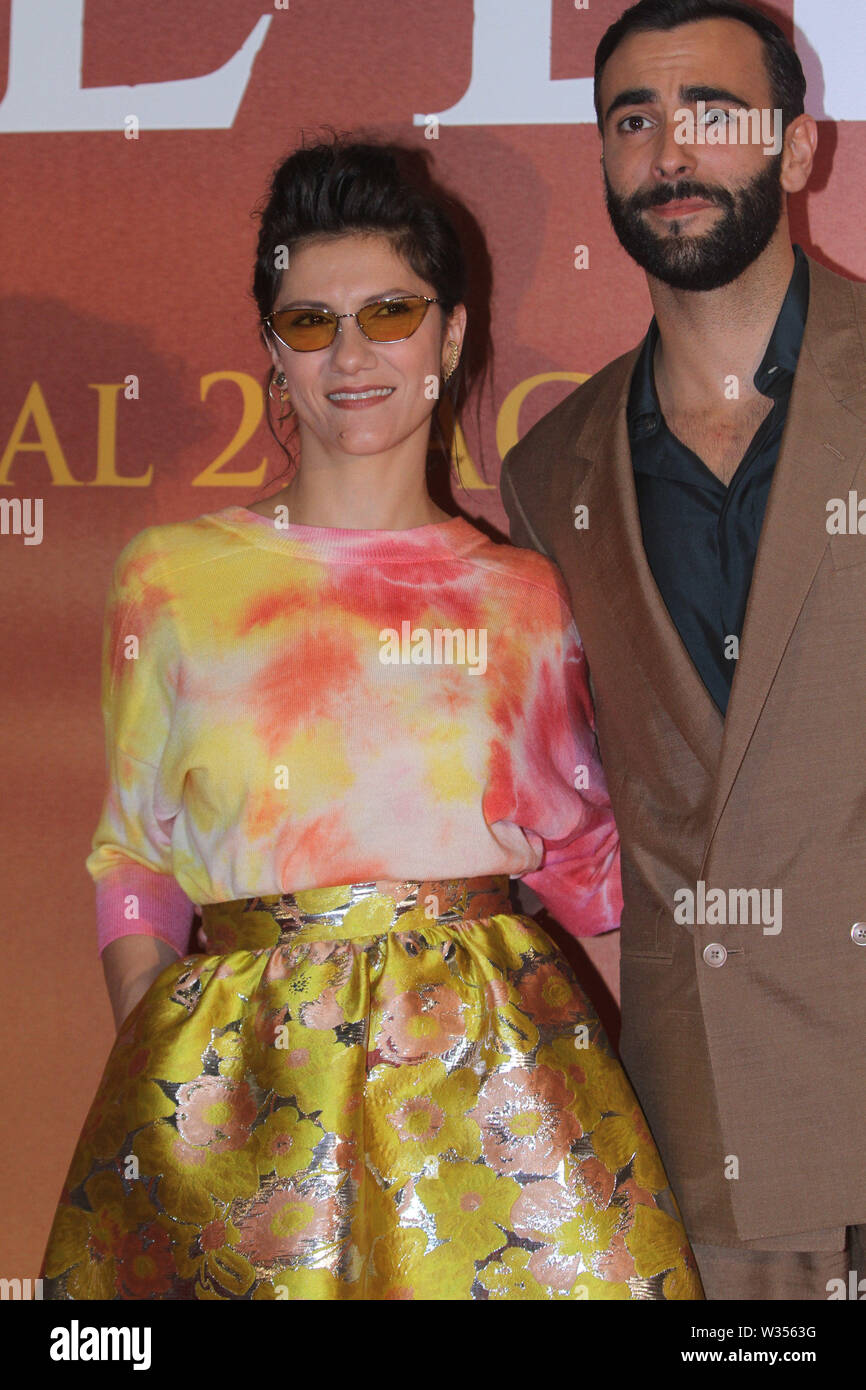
(281, 384)
(451, 366)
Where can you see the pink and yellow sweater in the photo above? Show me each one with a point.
(303, 707)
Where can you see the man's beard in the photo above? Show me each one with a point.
(706, 262)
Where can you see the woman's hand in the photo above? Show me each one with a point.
(131, 964)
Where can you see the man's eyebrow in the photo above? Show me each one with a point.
(689, 96)
(632, 96)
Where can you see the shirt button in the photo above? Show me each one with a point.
(858, 933)
(715, 953)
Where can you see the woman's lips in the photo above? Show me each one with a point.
(359, 398)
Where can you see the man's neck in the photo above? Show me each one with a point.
(708, 337)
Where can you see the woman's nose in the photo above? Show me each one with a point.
(351, 348)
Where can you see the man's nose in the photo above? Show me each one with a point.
(673, 158)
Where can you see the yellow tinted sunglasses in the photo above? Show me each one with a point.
(383, 321)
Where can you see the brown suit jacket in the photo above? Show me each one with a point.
(752, 1073)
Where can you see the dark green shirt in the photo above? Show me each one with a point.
(701, 536)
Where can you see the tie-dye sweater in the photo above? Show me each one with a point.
(302, 707)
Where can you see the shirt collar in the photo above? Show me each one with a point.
(773, 375)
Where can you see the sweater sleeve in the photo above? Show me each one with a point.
(578, 880)
(130, 862)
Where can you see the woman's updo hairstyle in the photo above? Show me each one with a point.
(343, 186)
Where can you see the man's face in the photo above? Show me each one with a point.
(693, 211)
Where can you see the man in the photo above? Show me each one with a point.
(692, 494)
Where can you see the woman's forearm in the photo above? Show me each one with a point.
(131, 964)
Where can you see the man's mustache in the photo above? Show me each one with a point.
(679, 193)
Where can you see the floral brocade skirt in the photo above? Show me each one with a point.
(371, 1091)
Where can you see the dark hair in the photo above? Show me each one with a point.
(342, 186)
(784, 69)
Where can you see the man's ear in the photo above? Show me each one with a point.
(798, 153)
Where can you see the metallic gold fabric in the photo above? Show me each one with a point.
(365, 1092)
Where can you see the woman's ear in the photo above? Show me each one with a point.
(458, 321)
(272, 351)
(455, 328)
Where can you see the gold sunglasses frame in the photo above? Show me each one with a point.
(335, 318)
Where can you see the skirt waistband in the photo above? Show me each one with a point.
(351, 910)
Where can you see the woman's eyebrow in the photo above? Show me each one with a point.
(369, 299)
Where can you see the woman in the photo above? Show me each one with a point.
(392, 1087)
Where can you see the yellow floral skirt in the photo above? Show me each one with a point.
(367, 1092)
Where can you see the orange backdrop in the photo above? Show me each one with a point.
(127, 257)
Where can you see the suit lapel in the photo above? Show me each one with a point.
(614, 568)
(821, 448)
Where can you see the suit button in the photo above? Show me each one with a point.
(858, 933)
(715, 953)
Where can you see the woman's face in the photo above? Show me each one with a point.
(343, 274)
